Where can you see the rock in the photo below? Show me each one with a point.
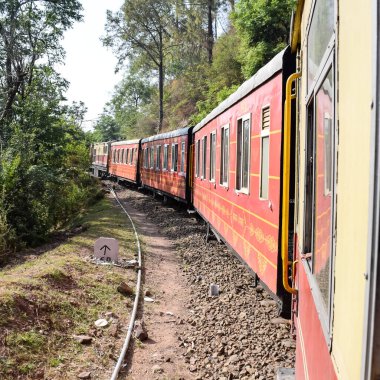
(213, 290)
(156, 369)
(140, 331)
(110, 314)
(233, 359)
(148, 299)
(83, 339)
(266, 303)
(280, 321)
(290, 343)
(125, 289)
(147, 293)
(101, 323)
(84, 375)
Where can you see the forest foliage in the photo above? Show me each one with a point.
(180, 59)
(43, 152)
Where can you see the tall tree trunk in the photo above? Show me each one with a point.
(210, 34)
(161, 84)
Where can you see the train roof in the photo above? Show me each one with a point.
(167, 135)
(265, 73)
(125, 142)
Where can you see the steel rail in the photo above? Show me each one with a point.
(124, 349)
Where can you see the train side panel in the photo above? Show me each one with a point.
(99, 158)
(164, 163)
(247, 218)
(333, 188)
(124, 160)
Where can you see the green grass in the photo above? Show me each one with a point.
(44, 301)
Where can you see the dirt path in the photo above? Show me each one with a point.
(159, 356)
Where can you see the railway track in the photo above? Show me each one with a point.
(236, 335)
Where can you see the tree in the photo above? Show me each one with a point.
(29, 30)
(129, 104)
(106, 128)
(263, 27)
(143, 32)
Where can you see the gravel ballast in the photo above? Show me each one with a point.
(235, 334)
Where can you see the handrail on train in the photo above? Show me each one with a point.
(286, 180)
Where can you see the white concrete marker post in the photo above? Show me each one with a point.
(106, 249)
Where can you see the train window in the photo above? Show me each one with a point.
(225, 155)
(113, 156)
(158, 157)
(323, 202)
(131, 156)
(204, 157)
(243, 153)
(126, 156)
(146, 158)
(183, 147)
(174, 158)
(264, 160)
(122, 156)
(152, 157)
(118, 155)
(198, 158)
(166, 149)
(212, 155)
(328, 151)
(320, 33)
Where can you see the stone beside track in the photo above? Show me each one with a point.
(235, 335)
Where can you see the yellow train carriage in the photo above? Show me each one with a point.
(337, 182)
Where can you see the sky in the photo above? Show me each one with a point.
(90, 67)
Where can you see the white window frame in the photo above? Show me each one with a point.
(166, 157)
(146, 158)
(158, 157)
(222, 168)
(183, 157)
(197, 157)
(212, 173)
(151, 157)
(264, 133)
(126, 156)
(174, 168)
(204, 158)
(239, 170)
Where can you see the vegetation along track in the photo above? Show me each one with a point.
(235, 335)
(50, 298)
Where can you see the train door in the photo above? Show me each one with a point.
(315, 274)
(371, 344)
(320, 194)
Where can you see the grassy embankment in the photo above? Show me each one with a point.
(54, 293)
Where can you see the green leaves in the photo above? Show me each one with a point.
(43, 155)
(263, 27)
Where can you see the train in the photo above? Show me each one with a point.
(286, 171)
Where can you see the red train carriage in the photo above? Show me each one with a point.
(165, 162)
(237, 179)
(99, 158)
(123, 160)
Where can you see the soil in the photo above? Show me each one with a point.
(234, 335)
(158, 356)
